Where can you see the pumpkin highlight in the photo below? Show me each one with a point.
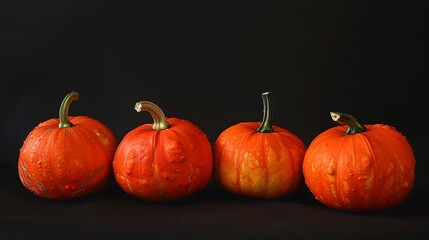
(359, 167)
(69, 157)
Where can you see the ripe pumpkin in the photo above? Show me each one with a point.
(359, 167)
(67, 158)
(257, 159)
(167, 160)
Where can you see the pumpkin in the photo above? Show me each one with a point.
(67, 157)
(258, 159)
(164, 161)
(359, 167)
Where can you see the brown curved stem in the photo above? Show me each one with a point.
(159, 120)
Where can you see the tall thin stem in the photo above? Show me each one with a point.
(266, 126)
(64, 109)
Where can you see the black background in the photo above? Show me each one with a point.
(209, 62)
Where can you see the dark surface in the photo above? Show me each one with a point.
(209, 62)
(210, 214)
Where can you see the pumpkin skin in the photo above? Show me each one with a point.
(258, 164)
(163, 164)
(69, 162)
(369, 170)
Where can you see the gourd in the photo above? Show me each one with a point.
(67, 157)
(258, 159)
(164, 161)
(359, 167)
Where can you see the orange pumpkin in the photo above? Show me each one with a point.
(359, 167)
(256, 159)
(67, 158)
(167, 160)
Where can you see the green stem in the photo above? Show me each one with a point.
(159, 120)
(266, 126)
(64, 109)
(344, 119)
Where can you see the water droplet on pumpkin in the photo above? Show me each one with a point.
(168, 176)
(144, 182)
(39, 165)
(367, 163)
(362, 178)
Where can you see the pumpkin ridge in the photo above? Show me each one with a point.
(290, 140)
(390, 139)
(397, 163)
(126, 151)
(160, 186)
(75, 136)
(339, 173)
(336, 172)
(291, 161)
(190, 131)
(190, 160)
(86, 134)
(241, 159)
(375, 191)
(58, 134)
(266, 163)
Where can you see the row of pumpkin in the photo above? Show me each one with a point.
(348, 167)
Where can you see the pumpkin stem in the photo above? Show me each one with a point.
(266, 126)
(344, 119)
(159, 120)
(64, 109)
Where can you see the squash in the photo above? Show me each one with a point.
(257, 159)
(67, 158)
(164, 161)
(359, 167)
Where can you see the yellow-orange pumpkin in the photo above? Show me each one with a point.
(359, 167)
(67, 158)
(167, 160)
(256, 159)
